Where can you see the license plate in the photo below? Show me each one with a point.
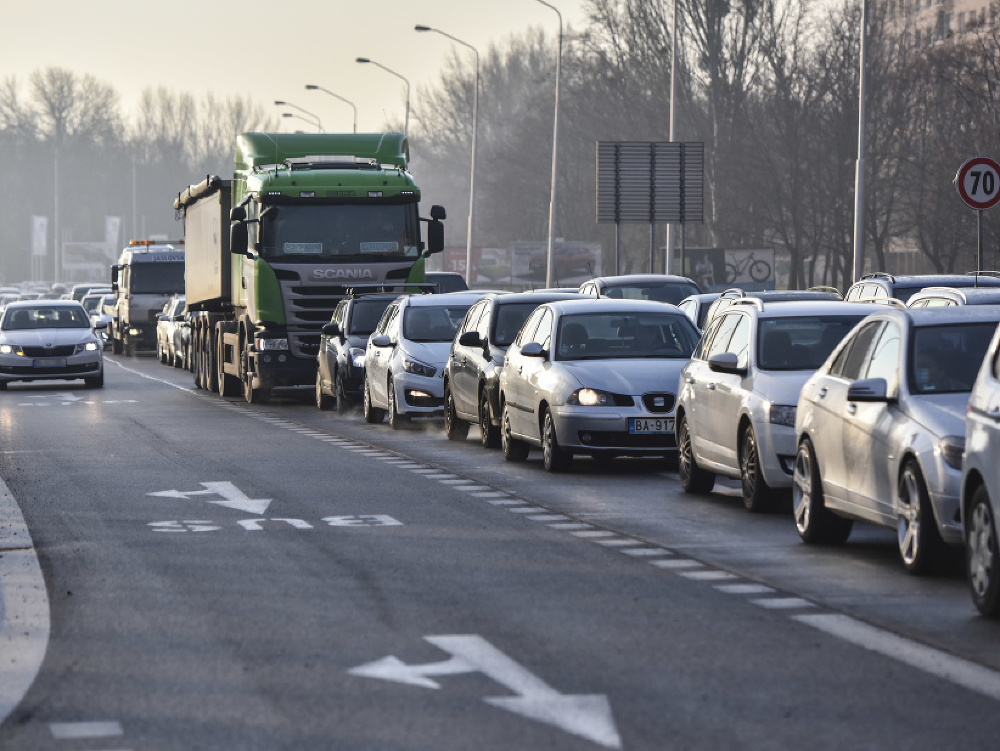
(50, 362)
(639, 425)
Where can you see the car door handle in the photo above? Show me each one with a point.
(994, 414)
(520, 369)
(711, 387)
(852, 409)
(822, 392)
(689, 379)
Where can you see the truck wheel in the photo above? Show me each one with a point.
(129, 346)
(195, 356)
(211, 367)
(116, 344)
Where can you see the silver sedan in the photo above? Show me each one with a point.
(596, 377)
(46, 340)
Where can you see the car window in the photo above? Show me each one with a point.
(996, 363)
(472, 318)
(856, 353)
(365, 316)
(528, 329)
(706, 339)
(543, 334)
(720, 343)
(383, 324)
(46, 318)
(483, 326)
(946, 359)
(437, 323)
(800, 342)
(616, 335)
(884, 359)
(338, 314)
(739, 345)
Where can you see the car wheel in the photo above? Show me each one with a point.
(514, 450)
(813, 521)
(178, 358)
(323, 400)
(693, 478)
(982, 555)
(343, 403)
(396, 420)
(489, 434)
(372, 414)
(920, 544)
(455, 428)
(554, 458)
(757, 495)
(160, 354)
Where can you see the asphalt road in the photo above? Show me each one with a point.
(227, 576)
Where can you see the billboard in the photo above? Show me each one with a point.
(717, 269)
(573, 263)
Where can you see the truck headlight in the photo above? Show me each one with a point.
(781, 414)
(591, 398)
(264, 345)
(418, 368)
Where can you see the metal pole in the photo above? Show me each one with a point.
(311, 87)
(555, 154)
(57, 272)
(406, 120)
(318, 123)
(859, 177)
(979, 242)
(668, 254)
(618, 248)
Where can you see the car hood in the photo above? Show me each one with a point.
(940, 414)
(781, 387)
(628, 376)
(47, 337)
(429, 353)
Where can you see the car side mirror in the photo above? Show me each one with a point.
(179, 317)
(331, 329)
(381, 341)
(533, 349)
(868, 390)
(161, 316)
(470, 339)
(101, 325)
(726, 362)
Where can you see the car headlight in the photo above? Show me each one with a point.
(357, 357)
(11, 349)
(781, 414)
(952, 448)
(85, 347)
(271, 344)
(591, 398)
(418, 368)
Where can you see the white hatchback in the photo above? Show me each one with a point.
(736, 408)
(981, 484)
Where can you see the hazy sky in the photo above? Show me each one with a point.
(265, 49)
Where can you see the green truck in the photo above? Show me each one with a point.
(306, 221)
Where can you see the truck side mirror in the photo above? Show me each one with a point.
(438, 213)
(435, 236)
(238, 214)
(239, 239)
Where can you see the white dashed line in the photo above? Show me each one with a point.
(620, 542)
(569, 526)
(77, 730)
(707, 576)
(675, 563)
(640, 552)
(593, 533)
(745, 589)
(549, 518)
(526, 510)
(782, 603)
(508, 501)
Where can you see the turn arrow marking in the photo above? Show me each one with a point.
(585, 715)
(232, 496)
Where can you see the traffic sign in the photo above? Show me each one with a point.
(978, 183)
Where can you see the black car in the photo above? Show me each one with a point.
(658, 287)
(446, 281)
(881, 285)
(340, 371)
(471, 377)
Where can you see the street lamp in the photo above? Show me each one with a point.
(668, 256)
(555, 152)
(406, 121)
(859, 175)
(475, 123)
(315, 118)
(297, 117)
(314, 87)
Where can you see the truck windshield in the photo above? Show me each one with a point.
(156, 278)
(341, 231)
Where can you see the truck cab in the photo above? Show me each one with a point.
(147, 274)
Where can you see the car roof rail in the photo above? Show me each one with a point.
(733, 292)
(878, 275)
(892, 302)
(755, 301)
(942, 291)
(826, 288)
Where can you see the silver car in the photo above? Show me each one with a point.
(46, 340)
(594, 376)
(881, 430)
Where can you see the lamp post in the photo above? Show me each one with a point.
(406, 120)
(297, 117)
(315, 118)
(475, 124)
(859, 175)
(314, 87)
(668, 256)
(555, 154)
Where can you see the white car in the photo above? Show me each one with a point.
(594, 376)
(736, 409)
(47, 340)
(981, 484)
(407, 353)
(881, 430)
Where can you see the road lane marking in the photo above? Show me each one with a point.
(782, 603)
(568, 526)
(707, 576)
(78, 730)
(593, 533)
(676, 563)
(640, 552)
(745, 589)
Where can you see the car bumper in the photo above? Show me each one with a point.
(777, 454)
(419, 395)
(15, 368)
(595, 430)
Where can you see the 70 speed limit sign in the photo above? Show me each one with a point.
(978, 183)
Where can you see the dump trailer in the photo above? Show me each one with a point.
(148, 272)
(305, 221)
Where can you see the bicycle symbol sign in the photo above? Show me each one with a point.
(978, 183)
(743, 265)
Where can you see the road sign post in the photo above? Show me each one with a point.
(978, 183)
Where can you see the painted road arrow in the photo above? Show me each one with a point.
(232, 497)
(588, 715)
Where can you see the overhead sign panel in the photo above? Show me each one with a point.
(640, 181)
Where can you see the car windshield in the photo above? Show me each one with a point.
(314, 232)
(156, 278)
(90, 302)
(946, 359)
(800, 342)
(509, 320)
(366, 315)
(671, 292)
(46, 318)
(620, 336)
(433, 324)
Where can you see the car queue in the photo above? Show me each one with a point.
(835, 409)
